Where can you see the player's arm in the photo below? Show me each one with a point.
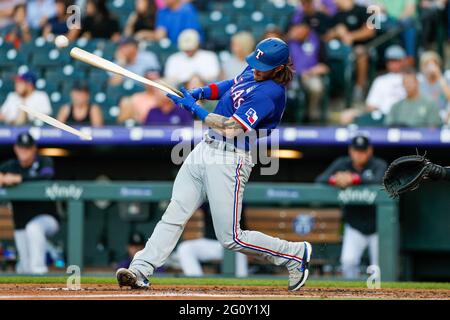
(213, 91)
(227, 127)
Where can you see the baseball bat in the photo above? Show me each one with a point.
(55, 123)
(99, 62)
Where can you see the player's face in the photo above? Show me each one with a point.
(25, 155)
(360, 157)
(264, 75)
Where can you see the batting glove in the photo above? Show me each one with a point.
(188, 102)
(200, 93)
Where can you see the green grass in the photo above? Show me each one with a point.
(225, 282)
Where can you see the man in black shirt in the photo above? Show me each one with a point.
(359, 168)
(34, 221)
(349, 26)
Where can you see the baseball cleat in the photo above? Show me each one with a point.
(299, 273)
(127, 278)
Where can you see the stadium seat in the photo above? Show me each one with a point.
(47, 86)
(52, 58)
(11, 58)
(6, 85)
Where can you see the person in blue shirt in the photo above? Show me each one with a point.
(218, 169)
(176, 17)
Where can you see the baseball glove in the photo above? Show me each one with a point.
(406, 173)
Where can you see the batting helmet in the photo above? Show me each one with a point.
(269, 54)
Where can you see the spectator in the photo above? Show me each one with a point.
(242, 44)
(141, 22)
(316, 20)
(39, 11)
(98, 22)
(273, 32)
(192, 252)
(191, 60)
(167, 113)
(325, 7)
(433, 84)
(359, 168)
(386, 89)
(129, 56)
(402, 14)
(432, 16)
(135, 244)
(7, 11)
(137, 106)
(308, 57)
(57, 24)
(415, 110)
(349, 25)
(26, 94)
(18, 32)
(34, 221)
(174, 18)
(81, 111)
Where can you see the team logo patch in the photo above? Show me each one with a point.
(252, 117)
(259, 54)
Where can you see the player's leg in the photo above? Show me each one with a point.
(353, 246)
(187, 196)
(225, 189)
(192, 252)
(37, 231)
(373, 249)
(23, 264)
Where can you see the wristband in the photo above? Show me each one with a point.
(356, 178)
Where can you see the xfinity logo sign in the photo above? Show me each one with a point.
(57, 191)
(364, 196)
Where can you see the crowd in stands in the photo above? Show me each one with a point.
(382, 64)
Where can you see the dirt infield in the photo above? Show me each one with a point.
(160, 292)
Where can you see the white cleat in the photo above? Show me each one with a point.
(299, 274)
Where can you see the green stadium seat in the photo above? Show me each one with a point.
(6, 85)
(47, 86)
(46, 59)
(5, 45)
(2, 98)
(370, 119)
(11, 58)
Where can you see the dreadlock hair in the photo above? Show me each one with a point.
(285, 75)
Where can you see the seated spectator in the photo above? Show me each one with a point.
(167, 113)
(349, 25)
(323, 7)
(191, 253)
(308, 57)
(80, 111)
(7, 12)
(39, 11)
(98, 22)
(315, 19)
(401, 14)
(415, 110)
(129, 56)
(361, 167)
(433, 84)
(26, 94)
(432, 16)
(176, 17)
(273, 32)
(136, 107)
(386, 89)
(34, 221)
(242, 44)
(191, 60)
(141, 22)
(135, 244)
(19, 31)
(57, 25)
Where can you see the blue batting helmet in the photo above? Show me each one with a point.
(269, 54)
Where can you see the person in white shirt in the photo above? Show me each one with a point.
(242, 44)
(191, 61)
(39, 11)
(26, 94)
(387, 89)
(131, 58)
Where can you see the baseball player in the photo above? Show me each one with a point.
(219, 167)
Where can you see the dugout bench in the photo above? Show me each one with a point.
(283, 195)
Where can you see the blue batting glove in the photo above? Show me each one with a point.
(198, 93)
(188, 102)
